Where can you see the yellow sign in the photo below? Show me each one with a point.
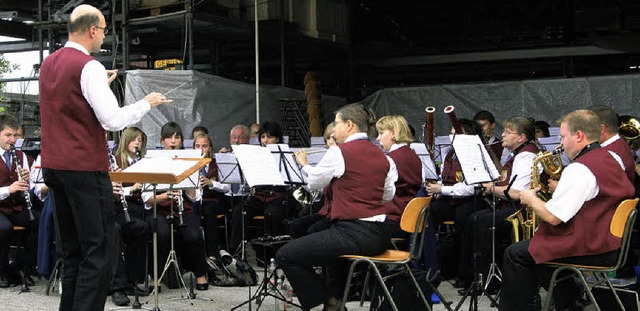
(167, 64)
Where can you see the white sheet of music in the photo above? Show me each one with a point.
(474, 159)
(162, 161)
(428, 167)
(442, 147)
(258, 166)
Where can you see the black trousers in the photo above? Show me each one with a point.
(18, 218)
(84, 219)
(131, 241)
(190, 246)
(299, 257)
(210, 211)
(522, 278)
(275, 212)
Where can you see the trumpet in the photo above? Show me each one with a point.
(25, 194)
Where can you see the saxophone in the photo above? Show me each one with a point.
(525, 221)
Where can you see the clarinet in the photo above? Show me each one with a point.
(25, 194)
(113, 166)
(180, 203)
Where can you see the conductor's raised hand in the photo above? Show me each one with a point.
(156, 99)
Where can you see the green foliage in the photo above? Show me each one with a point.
(5, 67)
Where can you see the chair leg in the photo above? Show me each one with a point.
(415, 283)
(552, 284)
(378, 276)
(613, 291)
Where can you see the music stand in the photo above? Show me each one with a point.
(428, 166)
(229, 172)
(473, 155)
(154, 171)
(263, 290)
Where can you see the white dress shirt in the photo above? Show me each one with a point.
(95, 89)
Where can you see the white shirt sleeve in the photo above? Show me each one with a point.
(576, 186)
(458, 190)
(522, 167)
(95, 89)
(390, 181)
(320, 175)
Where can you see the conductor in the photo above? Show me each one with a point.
(76, 107)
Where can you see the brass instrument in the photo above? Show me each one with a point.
(629, 130)
(25, 194)
(304, 197)
(525, 221)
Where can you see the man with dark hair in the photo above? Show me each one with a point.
(76, 107)
(574, 223)
(12, 202)
(610, 139)
(487, 122)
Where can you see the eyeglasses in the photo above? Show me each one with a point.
(104, 29)
(508, 132)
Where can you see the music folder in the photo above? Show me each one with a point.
(474, 158)
(163, 172)
(428, 167)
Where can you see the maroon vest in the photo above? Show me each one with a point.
(72, 137)
(209, 195)
(409, 181)
(358, 192)
(451, 171)
(505, 175)
(15, 201)
(587, 233)
(621, 148)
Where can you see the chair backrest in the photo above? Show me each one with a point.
(411, 214)
(622, 226)
(414, 220)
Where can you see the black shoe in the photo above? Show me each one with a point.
(120, 299)
(460, 283)
(141, 292)
(204, 286)
(4, 282)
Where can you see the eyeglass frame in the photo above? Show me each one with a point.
(105, 29)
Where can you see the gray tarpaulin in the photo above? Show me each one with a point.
(214, 102)
(541, 99)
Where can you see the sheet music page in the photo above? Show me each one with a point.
(428, 167)
(317, 141)
(228, 169)
(258, 166)
(162, 161)
(442, 147)
(471, 152)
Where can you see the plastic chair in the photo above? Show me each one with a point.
(621, 226)
(413, 221)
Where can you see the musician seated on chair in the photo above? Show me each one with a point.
(574, 222)
(131, 236)
(193, 255)
(611, 140)
(13, 210)
(359, 179)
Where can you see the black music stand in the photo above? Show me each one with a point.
(229, 172)
(473, 156)
(264, 290)
(139, 172)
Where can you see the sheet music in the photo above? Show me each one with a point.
(318, 142)
(428, 167)
(255, 141)
(442, 147)
(18, 143)
(162, 161)
(258, 166)
(473, 157)
(187, 143)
